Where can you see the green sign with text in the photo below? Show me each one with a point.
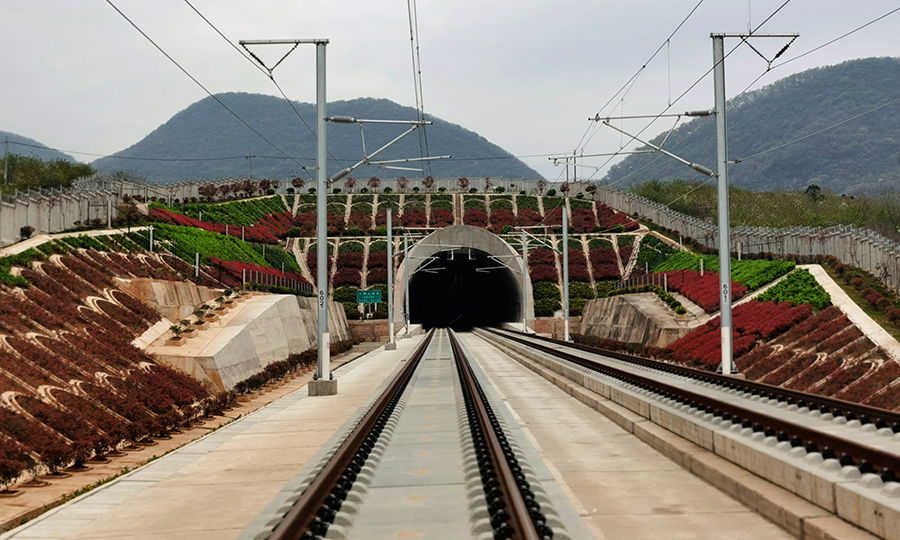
(368, 297)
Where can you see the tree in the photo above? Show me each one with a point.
(275, 184)
(10, 469)
(564, 188)
(814, 193)
(350, 183)
(208, 190)
(374, 182)
(463, 183)
(541, 186)
(488, 185)
(298, 183)
(403, 183)
(264, 185)
(428, 182)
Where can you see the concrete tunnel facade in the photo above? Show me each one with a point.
(463, 276)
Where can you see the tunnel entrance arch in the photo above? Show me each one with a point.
(463, 276)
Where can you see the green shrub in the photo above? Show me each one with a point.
(799, 287)
(579, 289)
(348, 247)
(501, 203)
(527, 201)
(579, 203)
(441, 205)
(599, 243)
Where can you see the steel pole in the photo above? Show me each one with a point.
(323, 369)
(406, 279)
(565, 251)
(524, 281)
(390, 278)
(724, 244)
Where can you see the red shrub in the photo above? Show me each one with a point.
(500, 218)
(583, 220)
(873, 298)
(789, 369)
(607, 218)
(579, 272)
(413, 218)
(347, 276)
(352, 259)
(842, 378)
(881, 379)
(47, 360)
(441, 218)
(543, 272)
(377, 259)
(576, 256)
(24, 370)
(360, 220)
(475, 217)
(28, 432)
(377, 275)
(541, 256)
(64, 423)
(701, 290)
(814, 374)
(553, 216)
(527, 217)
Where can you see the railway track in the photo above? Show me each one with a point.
(855, 435)
(499, 492)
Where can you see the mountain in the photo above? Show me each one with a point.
(214, 144)
(24, 146)
(861, 155)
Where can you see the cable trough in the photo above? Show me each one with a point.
(842, 446)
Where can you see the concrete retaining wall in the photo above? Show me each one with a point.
(632, 318)
(257, 331)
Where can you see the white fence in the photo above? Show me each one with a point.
(857, 247)
(186, 190)
(53, 210)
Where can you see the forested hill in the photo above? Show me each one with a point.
(24, 146)
(862, 155)
(206, 130)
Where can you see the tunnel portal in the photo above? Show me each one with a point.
(462, 289)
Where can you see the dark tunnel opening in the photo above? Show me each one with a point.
(462, 290)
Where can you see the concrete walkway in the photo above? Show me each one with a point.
(215, 486)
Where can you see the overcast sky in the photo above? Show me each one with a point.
(525, 74)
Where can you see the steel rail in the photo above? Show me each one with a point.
(869, 459)
(307, 510)
(520, 520)
(864, 413)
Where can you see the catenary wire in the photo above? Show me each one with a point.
(691, 87)
(412, 10)
(198, 83)
(637, 74)
(268, 75)
(745, 90)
